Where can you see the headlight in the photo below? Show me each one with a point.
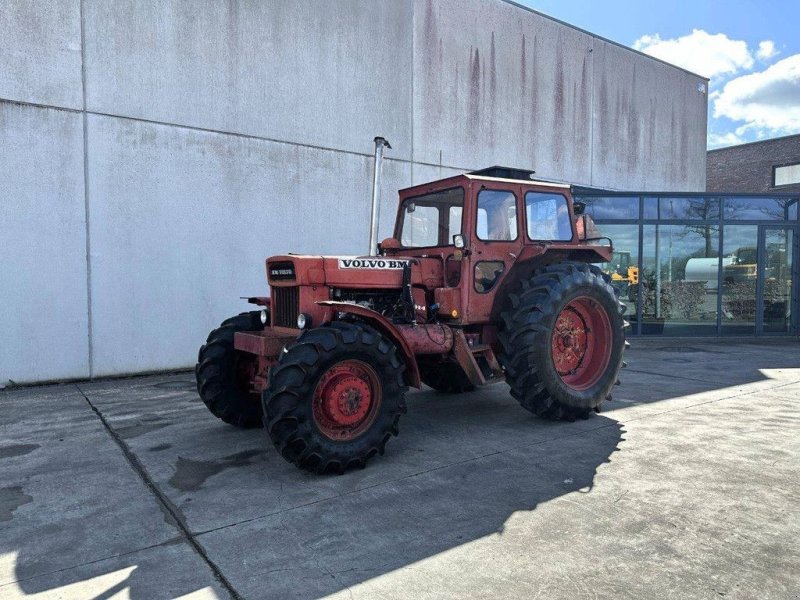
(264, 317)
(303, 321)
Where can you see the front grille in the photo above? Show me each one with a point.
(285, 306)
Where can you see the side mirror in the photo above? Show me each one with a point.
(459, 241)
(579, 207)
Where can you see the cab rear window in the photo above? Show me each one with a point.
(548, 217)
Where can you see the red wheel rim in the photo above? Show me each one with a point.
(581, 343)
(346, 400)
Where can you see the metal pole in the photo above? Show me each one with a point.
(658, 259)
(374, 219)
(658, 273)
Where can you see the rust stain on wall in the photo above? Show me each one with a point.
(474, 86)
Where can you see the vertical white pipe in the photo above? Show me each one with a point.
(374, 220)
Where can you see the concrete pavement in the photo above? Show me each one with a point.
(685, 486)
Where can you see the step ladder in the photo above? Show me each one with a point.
(478, 361)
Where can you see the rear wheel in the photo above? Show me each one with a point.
(335, 397)
(445, 377)
(223, 374)
(563, 340)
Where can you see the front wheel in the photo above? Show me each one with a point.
(335, 397)
(224, 374)
(563, 339)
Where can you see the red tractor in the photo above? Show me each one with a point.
(488, 278)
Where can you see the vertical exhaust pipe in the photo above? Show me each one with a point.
(374, 219)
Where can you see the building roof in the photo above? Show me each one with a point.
(767, 141)
(600, 37)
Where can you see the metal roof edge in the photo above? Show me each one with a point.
(775, 139)
(589, 191)
(525, 181)
(600, 37)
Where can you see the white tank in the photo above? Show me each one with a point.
(705, 270)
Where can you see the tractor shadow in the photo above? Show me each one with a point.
(455, 475)
(465, 468)
(460, 469)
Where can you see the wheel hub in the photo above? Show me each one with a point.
(346, 400)
(581, 343)
(569, 341)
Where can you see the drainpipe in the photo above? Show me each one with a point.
(380, 144)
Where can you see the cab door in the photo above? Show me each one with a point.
(495, 242)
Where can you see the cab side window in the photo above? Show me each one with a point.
(548, 217)
(497, 215)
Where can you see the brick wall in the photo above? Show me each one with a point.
(748, 168)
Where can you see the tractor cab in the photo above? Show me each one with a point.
(483, 223)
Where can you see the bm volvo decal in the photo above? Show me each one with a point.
(371, 263)
(281, 271)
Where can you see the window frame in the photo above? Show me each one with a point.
(496, 279)
(570, 223)
(775, 173)
(401, 217)
(516, 215)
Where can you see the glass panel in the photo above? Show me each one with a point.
(679, 279)
(497, 215)
(696, 208)
(617, 207)
(761, 209)
(548, 217)
(421, 227)
(739, 254)
(487, 272)
(624, 267)
(426, 219)
(777, 280)
(787, 175)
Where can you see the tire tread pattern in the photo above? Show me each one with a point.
(525, 331)
(287, 402)
(215, 378)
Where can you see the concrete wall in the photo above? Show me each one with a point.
(155, 152)
(44, 319)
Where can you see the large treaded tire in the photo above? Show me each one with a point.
(445, 377)
(288, 401)
(526, 333)
(216, 373)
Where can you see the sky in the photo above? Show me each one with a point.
(749, 49)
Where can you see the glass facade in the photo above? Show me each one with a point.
(697, 264)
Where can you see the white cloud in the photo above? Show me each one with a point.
(767, 101)
(766, 50)
(719, 140)
(700, 52)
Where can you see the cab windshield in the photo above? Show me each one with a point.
(432, 219)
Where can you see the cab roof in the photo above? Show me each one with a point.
(498, 173)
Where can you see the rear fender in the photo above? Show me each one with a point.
(533, 259)
(382, 324)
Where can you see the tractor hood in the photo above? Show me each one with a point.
(361, 272)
